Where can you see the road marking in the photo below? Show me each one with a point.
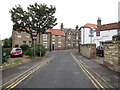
(20, 79)
(89, 75)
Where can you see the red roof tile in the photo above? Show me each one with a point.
(91, 25)
(109, 26)
(56, 32)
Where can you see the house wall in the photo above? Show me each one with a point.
(59, 44)
(104, 36)
(69, 39)
(20, 37)
(112, 54)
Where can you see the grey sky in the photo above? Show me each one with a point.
(69, 12)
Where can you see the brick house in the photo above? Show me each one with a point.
(54, 36)
(53, 39)
(19, 38)
(71, 37)
(57, 39)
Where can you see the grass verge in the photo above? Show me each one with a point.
(11, 62)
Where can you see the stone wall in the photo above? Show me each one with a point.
(88, 50)
(112, 54)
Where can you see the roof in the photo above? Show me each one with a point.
(110, 26)
(56, 32)
(65, 30)
(91, 25)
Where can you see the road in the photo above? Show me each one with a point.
(61, 72)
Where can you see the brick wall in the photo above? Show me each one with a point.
(88, 50)
(112, 54)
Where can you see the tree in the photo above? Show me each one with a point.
(8, 43)
(38, 17)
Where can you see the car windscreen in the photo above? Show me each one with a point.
(18, 49)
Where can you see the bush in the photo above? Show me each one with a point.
(24, 47)
(7, 51)
(30, 51)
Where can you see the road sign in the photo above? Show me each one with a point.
(91, 35)
(34, 34)
(91, 31)
(34, 37)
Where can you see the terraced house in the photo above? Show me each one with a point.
(71, 37)
(53, 39)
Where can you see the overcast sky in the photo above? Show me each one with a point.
(69, 12)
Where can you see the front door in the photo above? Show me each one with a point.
(53, 46)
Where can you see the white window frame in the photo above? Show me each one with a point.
(77, 36)
(53, 37)
(27, 35)
(45, 44)
(69, 36)
(44, 37)
(59, 38)
(69, 44)
(59, 45)
(19, 36)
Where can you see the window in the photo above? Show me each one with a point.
(98, 33)
(19, 34)
(77, 36)
(53, 37)
(30, 42)
(59, 44)
(59, 38)
(69, 36)
(24, 42)
(45, 37)
(68, 44)
(27, 35)
(45, 44)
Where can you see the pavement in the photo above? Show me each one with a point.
(110, 77)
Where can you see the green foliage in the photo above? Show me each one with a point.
(37, 48)
(38, 17)
(24, 47)
(8, 43)
(7, 51)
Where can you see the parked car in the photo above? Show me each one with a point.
(100, 51)
(16, 52)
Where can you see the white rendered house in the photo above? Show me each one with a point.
(100, 34)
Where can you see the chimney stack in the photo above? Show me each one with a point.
(76, 27)
(99, 22)
(61, 26)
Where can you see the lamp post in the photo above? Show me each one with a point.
(34, 37)
(51, 26)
